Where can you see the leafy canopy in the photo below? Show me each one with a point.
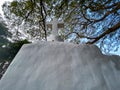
(86, 21)
(8, 49)
(4, 33)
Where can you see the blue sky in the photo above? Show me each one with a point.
(2, 1)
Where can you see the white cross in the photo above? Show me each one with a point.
(54, 25)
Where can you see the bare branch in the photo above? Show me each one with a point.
(30, 12)
(80, 36)
(106, 14)
(102, 7)
(42, 8)
(110, 30)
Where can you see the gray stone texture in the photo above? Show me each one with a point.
(62, 66)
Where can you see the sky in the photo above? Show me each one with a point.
(1, 3)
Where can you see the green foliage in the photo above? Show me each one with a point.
(3, 34)
(14, 3)
(30, 12)
(8, 49)
(92, 20)
(14, 48)
(8, 53)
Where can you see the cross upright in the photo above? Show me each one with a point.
(54, 25)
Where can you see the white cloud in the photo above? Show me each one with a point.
(1, 3)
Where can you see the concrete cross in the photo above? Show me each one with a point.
(54, 25)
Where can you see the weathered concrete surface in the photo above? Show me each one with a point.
(60, 66)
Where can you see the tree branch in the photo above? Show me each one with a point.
(42, 8)
(102, 7)
(110, 30)
(106, 14)
(80, 36)
(30, 12)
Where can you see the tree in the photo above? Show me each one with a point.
(4, 42)
(3, 33)
(30, 17)
(13, 48)
(96, 21)
(86, 21)
(8, 49)
(8, 53)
